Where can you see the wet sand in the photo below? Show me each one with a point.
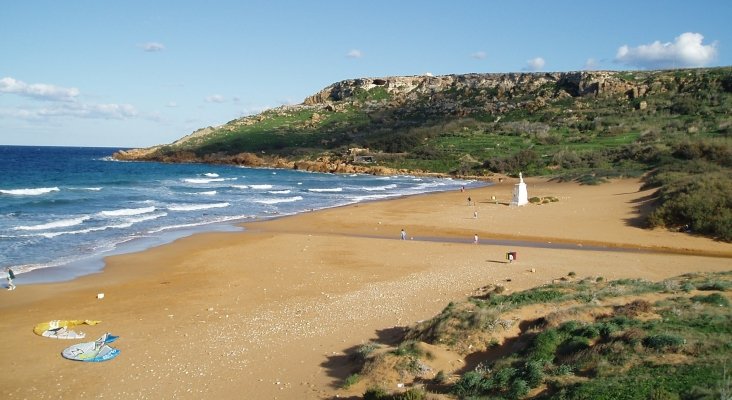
(268, 313)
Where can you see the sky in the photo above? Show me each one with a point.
(140, 73)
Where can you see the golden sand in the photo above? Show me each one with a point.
(270, 312)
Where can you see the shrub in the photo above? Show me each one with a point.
(714, 299)
(714, 285)
(573, 345)
(519, 389)
(663, 342)
(471, 384)
(441, 377)
(534, 373)
(363, 351)
(544, 346)
(375, 393)
(351, 380)
(411, 394)
(409, 348)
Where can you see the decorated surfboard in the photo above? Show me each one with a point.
(96, 351)
(59, 328)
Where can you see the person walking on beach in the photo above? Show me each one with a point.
(11, 276)
(470, 201)
(404, 235)
(475, 239)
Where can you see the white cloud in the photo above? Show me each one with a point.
(153, 47)
(92, 111)
(535, 64)
(354, 54)
(687, 50)
(40, 91)
(215, 98)
(479, 55)
(590, 65)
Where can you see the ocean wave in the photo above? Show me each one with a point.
(279, 191)
(282, 200)
(200, 223)
(370, 197)
(51, 235)
(239, 186)
(29, 192)
(379, 188)
(211, 174)
(209, 193)
(146, 218)
(260, 186)
(196, 207)
(62, 223)
(326, 190)
(126, 212)
(203, 180)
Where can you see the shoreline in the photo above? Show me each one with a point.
(274, 310)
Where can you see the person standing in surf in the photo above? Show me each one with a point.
(10, 276)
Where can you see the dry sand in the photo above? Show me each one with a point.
(270, 312)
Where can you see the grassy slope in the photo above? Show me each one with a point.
(665, 340)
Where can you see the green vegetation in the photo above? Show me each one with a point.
(670, 127)
(674, 347)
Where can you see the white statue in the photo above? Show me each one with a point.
(520, 194)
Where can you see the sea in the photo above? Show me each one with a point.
(63, 209)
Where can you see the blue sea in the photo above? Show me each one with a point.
(62, 209)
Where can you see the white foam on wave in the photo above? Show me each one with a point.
(282, 200)
(326, 190)
(62, 223)
(126, 212)
(51, 235)
(261, 186)
(379, 188)
(209, 193)
(203, 180)
(211, 174)
(201, 223)
(279, 191)
(370, 197)
(196, 207)
(240, 186)
(147, 217)
(29, 192)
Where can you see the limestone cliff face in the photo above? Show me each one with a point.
(404, 88)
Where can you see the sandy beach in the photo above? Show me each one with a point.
(269, 313)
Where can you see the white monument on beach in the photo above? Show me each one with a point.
(520, 195)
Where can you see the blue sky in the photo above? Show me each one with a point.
(139, 73)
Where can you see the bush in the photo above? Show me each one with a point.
(544, 346)
(411, 394)
(351, 380)
(363, 351)
(701, 203)
(375, 393)
(573, 345)
(534, 373)
(473, 383)
(663, 341)
(714, 299)
(519, 389)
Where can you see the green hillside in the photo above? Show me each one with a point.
(671, 126)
